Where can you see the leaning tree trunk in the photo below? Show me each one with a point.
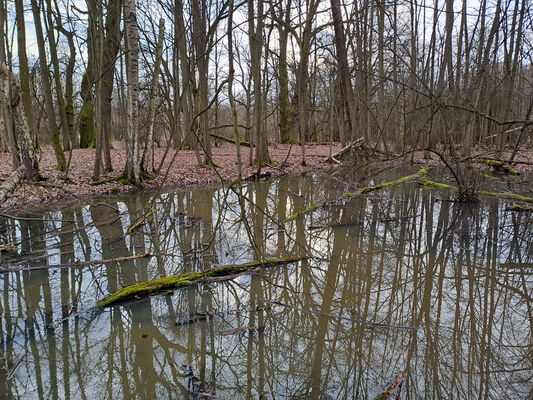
(132, 168)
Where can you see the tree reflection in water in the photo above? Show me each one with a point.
(437, 268)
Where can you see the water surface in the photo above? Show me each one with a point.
(402, 280)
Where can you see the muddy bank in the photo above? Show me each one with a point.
(184, 173)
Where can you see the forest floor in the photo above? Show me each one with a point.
(184, 172)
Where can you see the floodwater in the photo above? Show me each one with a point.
(399, 286)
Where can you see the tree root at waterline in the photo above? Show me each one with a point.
(421, 172)
(161, 285)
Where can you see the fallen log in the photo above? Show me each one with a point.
(242, 142)
(344, 150)
(421, 172)
(497, 165)
(11, 183)
(159, 285)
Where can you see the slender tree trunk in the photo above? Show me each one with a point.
(255, 31)
(132, 71)
(154, 96)
(24, 72)
(6, 109)
(57, 76)
(109, 58)
(47, 89)
(230, 90)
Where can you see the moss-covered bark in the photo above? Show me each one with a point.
(497, 166)
(160, 285)
(242, 142)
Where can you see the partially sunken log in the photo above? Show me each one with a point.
(504, 196)
(161, 285)
(421, 172)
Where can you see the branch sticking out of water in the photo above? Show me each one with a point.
(160, 285)
(421, 172)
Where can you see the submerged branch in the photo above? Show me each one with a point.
(421, 172)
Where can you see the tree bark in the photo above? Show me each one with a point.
(10, 93)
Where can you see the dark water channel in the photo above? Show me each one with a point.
(400, 258)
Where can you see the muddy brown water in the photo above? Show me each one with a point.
(400, 281)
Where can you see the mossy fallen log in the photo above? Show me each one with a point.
(160, 285)
(504, 196)
(497, 165)
(421, 172)
(242, 142)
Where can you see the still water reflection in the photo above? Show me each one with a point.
(461, 274)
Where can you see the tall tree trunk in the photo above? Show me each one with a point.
(132, 168)
(49, 24)
(47, 89)
(255, 32)
(24, 71)
(6, 109)
(87, 124)
(285, 123)
(69, 78)
(230, 90)
(199, 28)
(153, 96)
(109, 58)
(344, 72)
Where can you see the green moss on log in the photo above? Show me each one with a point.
(298, 214)
(499, 166)
(440, 185)
(507, 196)
(230, 140)
(421, 172)
(161, 285)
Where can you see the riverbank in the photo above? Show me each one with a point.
(183, 173)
